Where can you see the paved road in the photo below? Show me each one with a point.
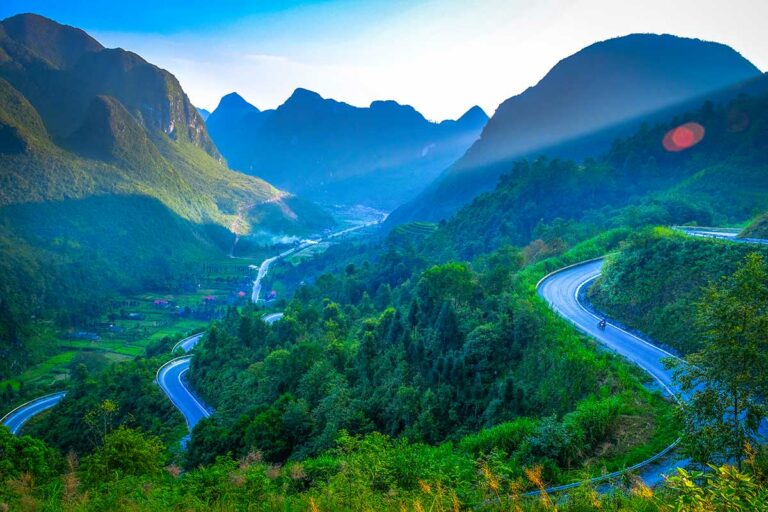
(561, 291)
(264, 267)
(187, 344)
(273, 317)
(170, 379)
(16, 419)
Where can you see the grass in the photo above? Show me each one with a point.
(221, 278)
(52, 369)
(308, 253)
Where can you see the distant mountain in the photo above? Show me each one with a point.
(587, 100)
(546, 205)
(231, 124)
(203, 113)
(108, 179)
(111, 122)
(331, 151)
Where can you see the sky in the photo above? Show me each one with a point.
(440, 56)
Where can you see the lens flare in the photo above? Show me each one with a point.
(683, 137)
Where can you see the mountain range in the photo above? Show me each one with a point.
(112, 122)
(108, 175)
(586, 101)
(333, 152)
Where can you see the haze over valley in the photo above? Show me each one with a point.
(334, 301)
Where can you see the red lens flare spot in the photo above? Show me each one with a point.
(683, 137)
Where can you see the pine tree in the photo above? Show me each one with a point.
(447, 330)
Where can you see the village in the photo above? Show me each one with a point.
(130, 325)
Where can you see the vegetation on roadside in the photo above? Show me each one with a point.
(433, 356)
(128, 470)
(655, 281)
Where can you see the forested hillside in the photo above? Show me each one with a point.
(431, 354)
(108, 182)
(639, 182)
(656, 280)
(606, 90)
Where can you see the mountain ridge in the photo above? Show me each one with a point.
(328, 148)
(108, 179)
(602, 85)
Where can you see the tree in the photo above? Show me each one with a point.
(125, 452)
(447, 332)
(24, 454)
(725, 380)
(100, 420)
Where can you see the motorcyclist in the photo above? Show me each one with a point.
(601, 324)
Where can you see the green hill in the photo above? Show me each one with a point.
(108, 178)
(722, 179)
(757, 229)
(584, 102)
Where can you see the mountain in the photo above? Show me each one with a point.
(588, 99)
(108, 178)
(204, 114)
(333, 152)
(111, 122)
(546, 205)
(230, 125)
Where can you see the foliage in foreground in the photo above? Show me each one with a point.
(371, 473)
(432, 356)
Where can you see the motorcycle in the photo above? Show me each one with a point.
(601, 324)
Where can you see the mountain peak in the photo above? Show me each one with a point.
(393, 110)
(473, 116)
(204, 113)
(233, 102)
(60, 45)
(581, 105)
(385, 104)
(303, 96)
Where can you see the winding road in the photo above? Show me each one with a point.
(16, 419)
(170, 378)
(264, 267)
(563, 290)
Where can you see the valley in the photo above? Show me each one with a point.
(377, 297)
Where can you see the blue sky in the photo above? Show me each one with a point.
(154, 16)
(441, 56)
